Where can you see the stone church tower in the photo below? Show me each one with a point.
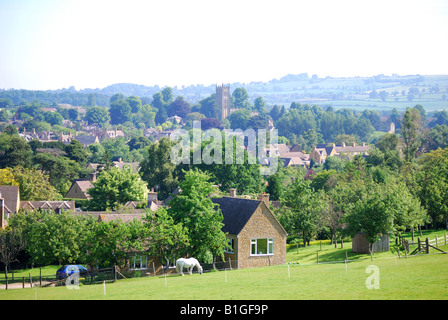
(222, 102)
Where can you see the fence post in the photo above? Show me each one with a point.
(419, 245)
(31, 282)
(317, 254)
(445, 238)
(23, 282)
(437, 244)
(427, 245)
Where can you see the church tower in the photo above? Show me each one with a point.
(222, 102)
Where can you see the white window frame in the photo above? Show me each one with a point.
(143, 262)
(269, 245)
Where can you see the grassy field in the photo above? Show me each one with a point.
(422, 277)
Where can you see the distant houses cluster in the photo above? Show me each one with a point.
(293, 156)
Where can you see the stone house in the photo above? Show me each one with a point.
(55, 206)
(255, 236)
(9, 203)
(78, 189)
(321, 152)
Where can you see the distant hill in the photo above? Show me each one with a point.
(378, 92)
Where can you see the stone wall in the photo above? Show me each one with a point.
(262, 225)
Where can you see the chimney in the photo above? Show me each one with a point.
(232, 192)
(152, 196)
(265, 198)
(2, 212)
(353, 144)
(92, 176)
(343, 144)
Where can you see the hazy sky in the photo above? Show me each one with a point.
(52, 44)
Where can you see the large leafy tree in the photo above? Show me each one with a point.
(158, 170)
(14, 151)
(302, 209)
(411, 129)
(115, 187)
(194, 209)
(51, 238)
(61, 170)
(231, 166)
(164, 239)
(76, 152)
(109, 242)
(432, 185)
(34, 185)
(98, 115)
(120, 112)
(381, 208)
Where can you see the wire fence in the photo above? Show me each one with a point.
(13, 281)
(113, 274)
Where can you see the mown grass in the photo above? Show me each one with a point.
(421, 277)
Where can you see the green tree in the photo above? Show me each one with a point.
(116, 97)
(302, 207)
(195, 210)
(34, 185)
(97, 115)
(53, 118)
(275, 187)
(76, 152)
(91, 101)
(109, 242)
(432, 185)
(115, 187)
(260, 105)
(135, 103)
(411, 129)
(239, 119)
(120, 112)
(371, 215)
(11, 244)
(167, 94)
(161, 115)
(53, 239)
(158, 170)
(241, 99)
(14, 151)
(61, 170)
(165, 239)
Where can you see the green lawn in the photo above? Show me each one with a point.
(422, 277)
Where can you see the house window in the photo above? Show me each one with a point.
(260, 247)
(230, 245)
(138, 262)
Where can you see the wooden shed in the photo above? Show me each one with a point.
(360, 244)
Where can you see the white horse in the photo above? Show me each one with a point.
(188, 264)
